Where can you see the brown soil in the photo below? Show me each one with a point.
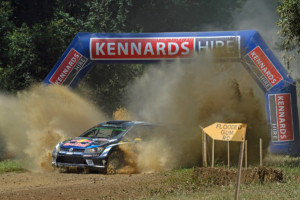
(221, 176)
(54, 185)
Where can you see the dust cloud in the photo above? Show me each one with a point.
(250, 17)
(186, 95)
(181, 95)
(34, 121)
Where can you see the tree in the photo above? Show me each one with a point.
(34, 34)
(289, 11)
(28, 53)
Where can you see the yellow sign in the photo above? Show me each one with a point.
(227, 131)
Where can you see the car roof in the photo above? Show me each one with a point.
(125, 123)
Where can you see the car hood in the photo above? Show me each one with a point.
(81, 142)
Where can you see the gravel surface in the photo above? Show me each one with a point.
(54, 185)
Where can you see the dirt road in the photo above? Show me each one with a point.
(54, 185)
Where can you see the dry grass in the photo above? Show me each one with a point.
(181, 184)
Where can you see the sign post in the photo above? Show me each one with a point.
(204, 150)
(260, 153)
(228, 155)
(239, 171)
(246, 154)
(229, 132)
(213, 153)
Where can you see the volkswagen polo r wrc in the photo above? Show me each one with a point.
(99, 147)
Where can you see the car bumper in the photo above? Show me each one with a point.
(55, 164)
(80, 161)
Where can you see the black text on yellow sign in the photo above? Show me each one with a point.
(226, 131)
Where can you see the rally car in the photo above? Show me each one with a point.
(99, 147)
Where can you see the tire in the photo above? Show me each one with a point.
(116, 161)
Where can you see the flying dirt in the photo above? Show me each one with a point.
(34, 121)
(186, 95)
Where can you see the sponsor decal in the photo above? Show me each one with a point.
(69, 68)
(264, 68)
(161, 48)
(78, 143)
(281, 117)
(83, 140)
(229, 45)
(141, 48)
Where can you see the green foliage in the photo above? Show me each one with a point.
(289, 11)
(6, 26)
(11, 166)
(31, 45)
(21, 57)
(6, 12)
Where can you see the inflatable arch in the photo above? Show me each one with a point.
(247, 47)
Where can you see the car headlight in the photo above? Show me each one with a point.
(57, 147)
(94, 150)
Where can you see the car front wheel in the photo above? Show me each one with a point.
(116, 161)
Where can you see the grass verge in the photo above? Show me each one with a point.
(180, 184)
(11, 166)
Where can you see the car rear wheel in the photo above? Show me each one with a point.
(116, 161)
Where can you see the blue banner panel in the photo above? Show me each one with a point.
(283, 120)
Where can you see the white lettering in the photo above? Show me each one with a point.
(187, 50)
(99, 48)
(170, 48)
(230, 46)
(138, 49)
(219, 43)
(122, 48)
(76, 55)
(160, 47)
(148, 49)
(203, 47)
(110, 49)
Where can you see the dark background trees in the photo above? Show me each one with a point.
(34, 34)
(289, 11)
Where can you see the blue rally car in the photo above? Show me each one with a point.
(99, 147)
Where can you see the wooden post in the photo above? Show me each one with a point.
(204, 150)
(260, 153)
(213, 153)
(239, 171)
(228, 154)
(240, 168)
(246, 154)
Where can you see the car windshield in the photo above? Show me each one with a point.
(103, 132)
